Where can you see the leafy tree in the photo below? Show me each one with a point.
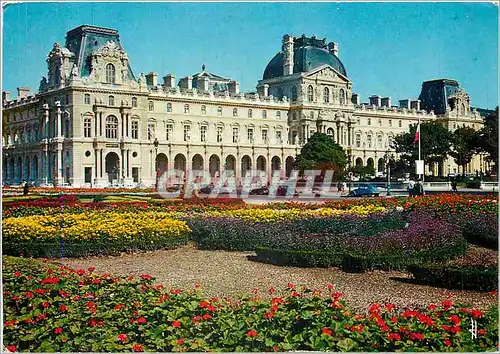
(463, 146)
(435, 143)
(322, 153)
(487, 138)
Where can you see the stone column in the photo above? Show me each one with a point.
(127, 125)
(129, 165)
(59, 120)
(101, 125)
(337, 136)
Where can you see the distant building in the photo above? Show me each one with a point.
(94, 122)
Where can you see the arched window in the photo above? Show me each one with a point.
(134, 101)
(329, 132)
(310, 93)
(369, 140)
(326, 95)
(342, 96)
(151, 106)
(111, 100)
(110, 74)
(169, 107)
(369, 121)
(235, 112)
(379, 141)
(293, 96)
(111, 127)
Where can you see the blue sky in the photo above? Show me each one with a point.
(388, 49)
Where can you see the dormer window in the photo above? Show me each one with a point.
(110, 74)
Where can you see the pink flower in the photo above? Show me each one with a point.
(122, 337)
(58, 330)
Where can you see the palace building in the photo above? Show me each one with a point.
(96, 123)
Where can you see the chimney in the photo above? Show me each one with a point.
(386, 102)
(333, 48)
(355, 99)
(288, 52)
(203, 83)
(23, 92)
(169, 80)
(404, 103)
(375, 100)
(234, 87)
(186, 83)
(152, 79)
(5, 96)
(263, 90)
(415, 105)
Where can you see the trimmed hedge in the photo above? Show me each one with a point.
(456, 276)
(481, 230)
(86, 249)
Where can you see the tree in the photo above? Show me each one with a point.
(322, 153)
(487, 138)
(463, 146)
(435, 143)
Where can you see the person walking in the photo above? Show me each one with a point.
(26, 188)
(419, 188)
(454, 185)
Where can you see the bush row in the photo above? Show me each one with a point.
(57, 309)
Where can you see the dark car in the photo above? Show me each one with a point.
(365, 191)
(260, 191)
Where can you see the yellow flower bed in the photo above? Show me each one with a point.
(95, 225)
(273, 215)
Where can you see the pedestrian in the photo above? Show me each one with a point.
(339, 186)
(26, 188)
(419, 188)
(454, 185)
(411, 187)
(344, 186)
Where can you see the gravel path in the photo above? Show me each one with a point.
(223, 273)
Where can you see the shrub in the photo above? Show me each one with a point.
(481, 230)
(57, 309)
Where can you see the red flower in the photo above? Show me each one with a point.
(455, 319)
(204, 304)
(176, 291)
(63, 293)
(80, 272)
(58, 330)
(40, 291)
(326, 331)
(96, 281)
(142, 320)
(481, 332)
(295, 294)
(119, 306)
(384, 328)
(145, 276)
(9, 323)
(272, 290)
(389, 307)
(75, 298)
(45, 304)
(176, 324)
(122, 337)
(137, 348)
(63, 308)
(394, 319)
(54, 280)
(417, 336)
(330, 287)
(476, 313)
(291, 285)
(90, 304)
(11, 348)
(394, 336)
(91, 269)
(197, 318)
(447, 303)
(15, 298)
(207, 316)
(17, 274)
(180, 341)
(431, 307)
(447, 342)
(252, 333)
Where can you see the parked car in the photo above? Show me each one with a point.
(365, 191)
(260, 191)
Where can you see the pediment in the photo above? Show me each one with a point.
(326, 72)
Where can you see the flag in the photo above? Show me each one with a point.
(417, 134)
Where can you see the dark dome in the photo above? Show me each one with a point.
(304, 59)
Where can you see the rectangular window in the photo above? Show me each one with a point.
(86, 99)
(250, 135)
(169, 129)
(264, 114)
(219, 134)
(278, 137)
(151, 106)
(249, 113)
(400, 123)
(235, 135)
(390, 122)
(203, 133)
(88, 175)
(264, 135)
(87, 127)
(219, 110)
(135, 174)
(278, 115)
(186, 108)
(151, 131)
(134, 101)
(135, 129)
(187, 130)
(203, 109)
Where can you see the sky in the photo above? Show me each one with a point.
(388, 49)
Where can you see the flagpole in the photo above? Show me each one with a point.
(420, 138)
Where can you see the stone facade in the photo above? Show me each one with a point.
(94, 124)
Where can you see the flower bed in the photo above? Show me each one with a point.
(91, 233)
(49, 308)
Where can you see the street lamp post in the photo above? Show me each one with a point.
(156, 143)
(388, 162)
